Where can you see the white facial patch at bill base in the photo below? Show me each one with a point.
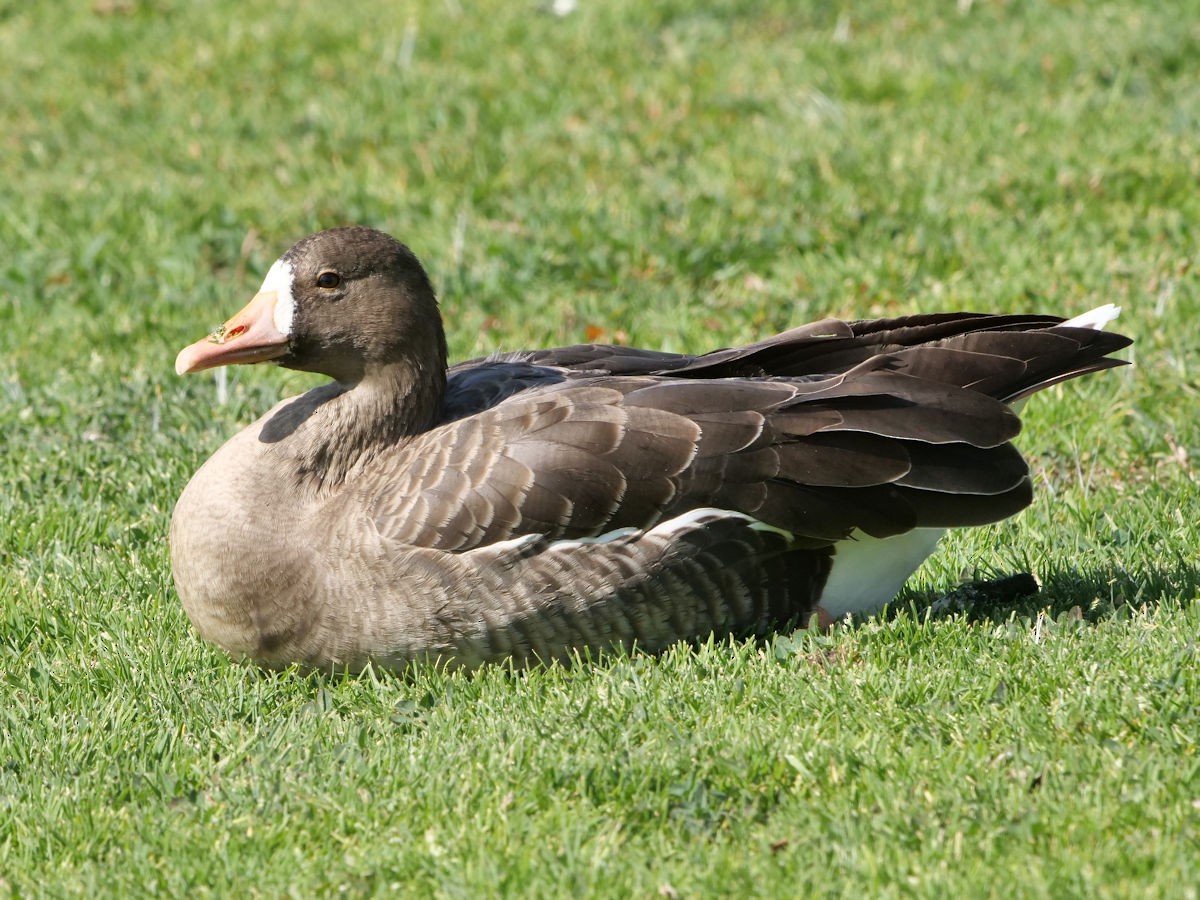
(279, 279)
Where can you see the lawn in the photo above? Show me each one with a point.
(654, 173)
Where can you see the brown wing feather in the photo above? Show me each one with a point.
(880, 426)
(593, 462)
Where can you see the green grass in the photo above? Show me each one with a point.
(678, 179)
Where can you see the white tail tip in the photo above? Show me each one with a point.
(1096, 318)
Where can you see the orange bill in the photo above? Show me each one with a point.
(251, 336)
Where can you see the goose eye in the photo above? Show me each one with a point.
(329, 280)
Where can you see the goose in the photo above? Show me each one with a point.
(551, 504)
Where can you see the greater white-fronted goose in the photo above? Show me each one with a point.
(528, 505)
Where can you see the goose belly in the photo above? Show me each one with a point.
(868, 572)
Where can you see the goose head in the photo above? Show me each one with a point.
(347, 302)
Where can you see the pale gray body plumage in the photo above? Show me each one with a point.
(529, 506)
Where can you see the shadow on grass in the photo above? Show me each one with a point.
(1092, 595)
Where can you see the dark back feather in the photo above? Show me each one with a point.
(880, 426)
